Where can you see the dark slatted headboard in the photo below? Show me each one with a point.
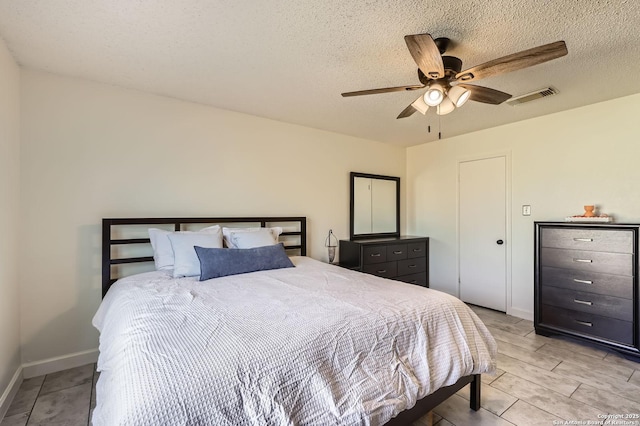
(178, 223)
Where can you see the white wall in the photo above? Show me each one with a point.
(91, 151)
(9, 217)
(560, 162)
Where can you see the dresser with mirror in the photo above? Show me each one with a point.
(375, 245)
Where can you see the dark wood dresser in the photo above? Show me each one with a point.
(404, 258)
(586, 283)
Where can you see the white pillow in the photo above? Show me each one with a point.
(251, 239)
(226, 232)
(186, 262)
(162, 250)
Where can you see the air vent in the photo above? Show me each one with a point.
(547, 91)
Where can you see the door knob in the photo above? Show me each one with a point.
(500, 242)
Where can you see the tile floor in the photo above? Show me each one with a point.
(539, 381)
(63, 398)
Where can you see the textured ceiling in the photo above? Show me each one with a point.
(289, 60)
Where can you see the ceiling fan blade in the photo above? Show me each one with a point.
(406, 112)
(485, 94)
(514, 62)
(383, 90)
(426, 54)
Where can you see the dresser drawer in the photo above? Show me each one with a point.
(386, 270)
(587, 324)
(417, 250)
(384, 257)
(411, 266)
(418, 279)
(586, 283)
(397, 252)
(615, 241)
(592, 282)
(608, 263)
(374, 254)
(597, 304)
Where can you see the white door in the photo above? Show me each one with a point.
(482, 232)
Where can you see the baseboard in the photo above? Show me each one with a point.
(521, 313)
(10, 392)
(52, 365)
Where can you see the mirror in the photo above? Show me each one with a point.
(375, 206)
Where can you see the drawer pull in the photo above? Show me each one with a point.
(412, 266)
(583, 281)
(583, 302)
(586, 240)
(375, 254)
(381, 271)
(416, 250)
(583, 260)
(588, 324)
(397, 252)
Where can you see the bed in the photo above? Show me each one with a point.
(312, 344)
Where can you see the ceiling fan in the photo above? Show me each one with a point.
(447, 84)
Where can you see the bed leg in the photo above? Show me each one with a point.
(474, 400)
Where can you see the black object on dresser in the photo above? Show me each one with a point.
(586, 283)
(402, 258)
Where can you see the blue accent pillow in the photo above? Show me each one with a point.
(220, 262)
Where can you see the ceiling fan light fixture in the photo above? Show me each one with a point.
(459, 95)
(445, 107)
(444, 81)
(434, 95)
(420, 105)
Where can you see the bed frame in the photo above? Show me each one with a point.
(179, 224)
(422, 407)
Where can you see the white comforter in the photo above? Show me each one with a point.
(311, 345)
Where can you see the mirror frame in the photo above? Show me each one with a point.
(395, 233)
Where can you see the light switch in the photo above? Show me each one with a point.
(526, 210)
